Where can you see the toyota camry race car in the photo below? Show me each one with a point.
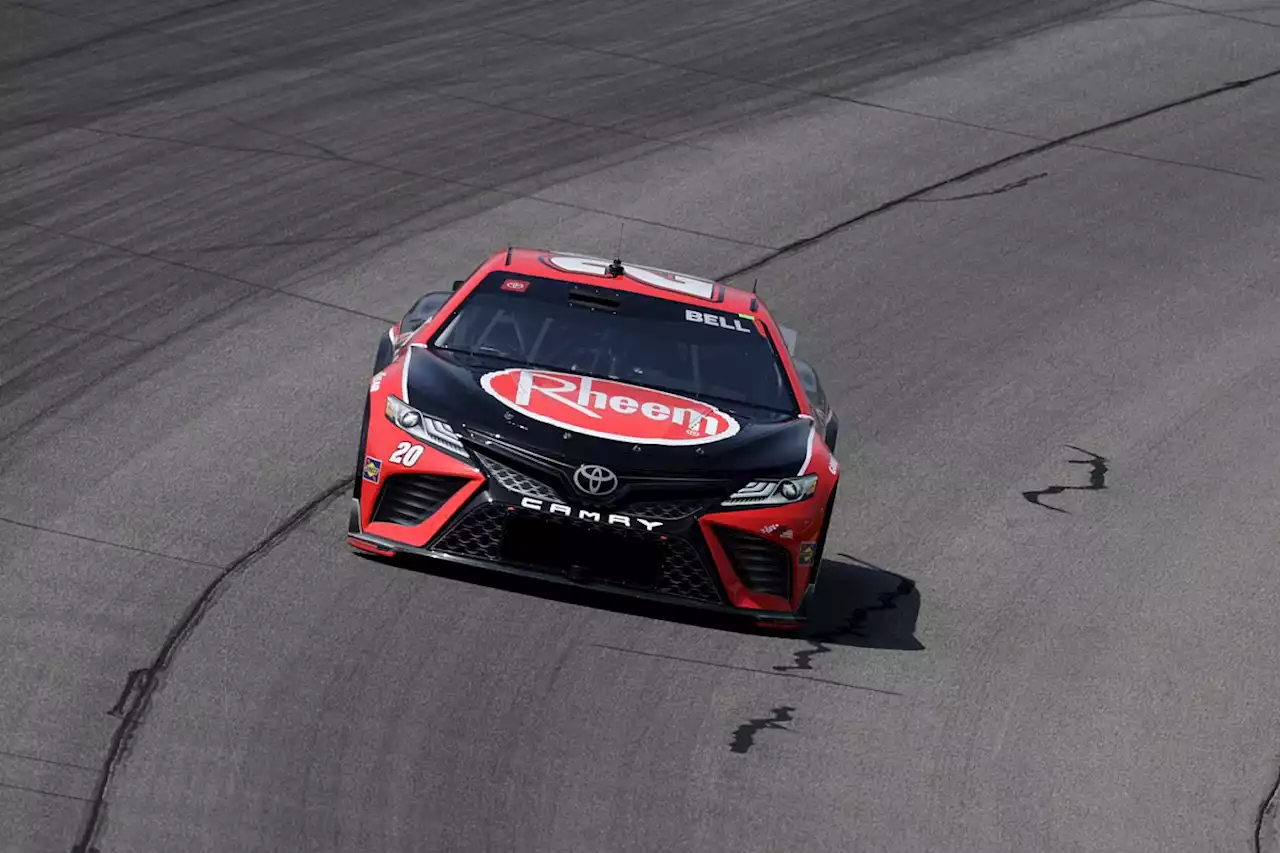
(610, 426)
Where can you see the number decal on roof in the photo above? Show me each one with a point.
(665, 279)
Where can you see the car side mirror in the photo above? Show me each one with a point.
(422, 311)
(457, 285)
(808, 376)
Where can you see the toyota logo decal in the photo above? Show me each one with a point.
(595, 480)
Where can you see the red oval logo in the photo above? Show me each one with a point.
(607, 409)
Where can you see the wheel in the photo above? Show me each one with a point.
(364, 441)
(385, 352)
(822, 537)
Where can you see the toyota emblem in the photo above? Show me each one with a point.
(595, 480)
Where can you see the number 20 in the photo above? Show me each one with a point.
(407, 454)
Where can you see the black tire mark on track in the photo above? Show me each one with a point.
(148, 680)
(101, 39)
(745, 736)
(1097, 480)
(804, 242)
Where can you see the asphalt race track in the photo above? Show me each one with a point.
(1033, 248)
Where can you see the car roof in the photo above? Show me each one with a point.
(637, 278)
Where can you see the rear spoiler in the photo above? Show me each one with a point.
(789, 338)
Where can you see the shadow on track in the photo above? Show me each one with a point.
(860, 604)
(855, 604)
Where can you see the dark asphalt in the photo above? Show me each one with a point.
(1024, 242)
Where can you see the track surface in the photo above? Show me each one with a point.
(208, 212)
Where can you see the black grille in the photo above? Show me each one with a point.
(516, 481)
(762, 565)
(410, 499)
(668, 510)
(582, 550)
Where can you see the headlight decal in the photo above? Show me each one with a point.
(774, 492)
(423, 427)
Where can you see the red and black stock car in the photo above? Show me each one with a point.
(611, 426)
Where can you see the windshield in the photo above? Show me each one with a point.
(595, 331)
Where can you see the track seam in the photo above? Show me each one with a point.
(149, 679)
(160, 259)
(977, 171)
(108, 543)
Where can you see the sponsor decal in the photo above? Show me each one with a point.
(603, 408)
(832, 465)
(806, 553)
(372, 469)
(376, 382)
(786, 534)
(567, 511)
(515, 285)
(779, 530)
(709, 319)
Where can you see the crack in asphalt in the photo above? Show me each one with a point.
(142, 684)
(745, 736)
(1267, 814)
(1097, 480)
(804, 242)
(1000, 190)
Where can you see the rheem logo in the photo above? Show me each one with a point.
(607, 409)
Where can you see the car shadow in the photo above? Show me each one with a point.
(855, 603)
(860, 604)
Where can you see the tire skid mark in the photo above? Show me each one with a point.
(142, 684)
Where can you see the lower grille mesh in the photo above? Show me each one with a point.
(410, 499)
(516, 481)
(604, 554)
(762, 565)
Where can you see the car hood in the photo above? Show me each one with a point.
(628, 428)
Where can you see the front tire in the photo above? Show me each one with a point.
(364, 441)
(386, 352)
(822, 537)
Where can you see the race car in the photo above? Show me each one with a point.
(610, 426)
